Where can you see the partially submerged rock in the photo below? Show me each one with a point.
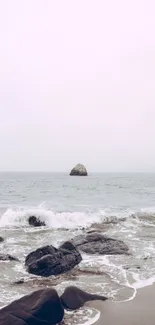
(1, 239)
(7, 257)
(20, 281)
(74, 298)
(97, 243)
(37, 282)
(79, 170)
(42, 307)
(48, 260)
(35, 222)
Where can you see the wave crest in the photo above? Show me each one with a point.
(55, 220)
(18, 217)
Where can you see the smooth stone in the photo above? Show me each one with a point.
(74, 298)
(42, 307)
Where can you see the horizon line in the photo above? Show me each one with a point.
(67, 172)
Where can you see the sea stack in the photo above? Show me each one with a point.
(79, 170)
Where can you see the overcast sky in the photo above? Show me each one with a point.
(77, 84)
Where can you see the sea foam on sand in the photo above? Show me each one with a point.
(139, 311)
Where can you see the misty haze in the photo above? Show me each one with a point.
(77, 85)
(77, 162)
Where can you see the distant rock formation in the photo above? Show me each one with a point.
(79, 170)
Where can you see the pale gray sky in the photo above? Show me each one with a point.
(77, 84)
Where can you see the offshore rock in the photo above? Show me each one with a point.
(79, 170)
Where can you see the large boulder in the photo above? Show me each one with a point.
(35, 222)
(97, 243)
(45, 307)
(42, 307)
(79, 170)
(48, 260)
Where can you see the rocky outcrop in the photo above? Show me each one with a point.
(48, 260)
(7, 257)
(97, 243)
(35, 222)
(40, 307)
(74, 298)
(79, 170)
(44, 306)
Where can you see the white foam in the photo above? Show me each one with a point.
(87, 316)
(141, 283)
(55, 220)
(17, 217)
(93, 319)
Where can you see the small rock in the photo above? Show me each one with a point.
(74, 298)
(21, 281)
(7, 257)
(128, 267)
(1, 239)
(35, 222)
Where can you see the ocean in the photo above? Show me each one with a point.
(122, 206)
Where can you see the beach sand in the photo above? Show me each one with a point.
(139, 311)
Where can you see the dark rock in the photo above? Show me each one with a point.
(1, 239)
(21, 281)
(67, 247)
(96, 243)
(74, 298)
(48, 260)
(39, 253)
(42, 307)
(39, 282)
(79, 170)
(7, 257)
(36, 282)
(35, 222)
(94, 230)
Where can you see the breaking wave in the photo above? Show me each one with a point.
(18, 217)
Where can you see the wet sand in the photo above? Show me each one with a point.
(139, 311)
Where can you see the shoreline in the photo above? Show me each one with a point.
(139, 311)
